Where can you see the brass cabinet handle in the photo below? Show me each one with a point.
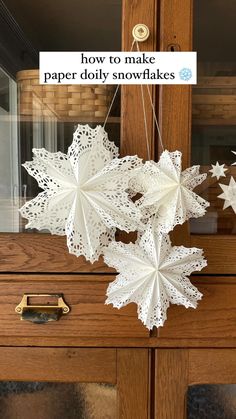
(42, 313)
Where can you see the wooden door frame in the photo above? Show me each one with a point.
(175, 119)
(176, 369)
(128, 369)
(22, 252)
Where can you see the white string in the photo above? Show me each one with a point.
(153, 109)
(114, 96)
(144, 109)
(111, 104)
(155, 117)
(145, 123)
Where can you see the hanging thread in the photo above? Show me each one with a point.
(153, 108)
(114, 96)
(144, 109)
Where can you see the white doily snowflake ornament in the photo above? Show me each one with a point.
(153, 274)
(84, 192)
(168, 194)
(218, 170)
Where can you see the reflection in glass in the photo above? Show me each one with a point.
(9, 156)
(214, 108)
(57, 400)
(214, 401)
(36, 116)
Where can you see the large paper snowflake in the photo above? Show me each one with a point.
(84, 192)
(153, 274)
(168, 192)
(229, 194)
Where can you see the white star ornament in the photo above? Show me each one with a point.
(153, 274)
(229, 194)
(218, 170)
(233, 164)
(84, 192)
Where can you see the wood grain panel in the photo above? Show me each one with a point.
(89, 316)
(132, 121)
(171, 381)
(174, 101)
(34, 252)
(212, 366)
(176, 29)
(132, 374)
(60, 364)
(214, 318)
(219, 251)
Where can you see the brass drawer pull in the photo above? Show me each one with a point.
(42, 313)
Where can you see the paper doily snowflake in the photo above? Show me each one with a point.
(167, 192)
(153, 274)
(84, 193)
(185, 74)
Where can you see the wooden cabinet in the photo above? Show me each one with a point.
(89, 317)
(179, 369)
(149, 373)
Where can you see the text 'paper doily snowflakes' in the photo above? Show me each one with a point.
(153, 274)
(168, 194)
(84, 192)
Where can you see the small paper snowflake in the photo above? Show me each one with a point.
(218, 170)
(233, 164)
(84, 192)
(229, 194)
(153, 274)
(167, 192)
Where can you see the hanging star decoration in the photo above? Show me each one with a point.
(84, 194)
(229, 194)
(153, 274)
(218, 170)
(168, 195)
(233, 164)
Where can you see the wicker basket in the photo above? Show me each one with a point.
(61, 101)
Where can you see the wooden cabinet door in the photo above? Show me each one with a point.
(201, 121)
(74, 383)
(61, 27)
(195, 383)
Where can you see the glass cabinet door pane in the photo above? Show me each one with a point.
(212, 401)
(37, 116)
(47, 400)
(214, 109)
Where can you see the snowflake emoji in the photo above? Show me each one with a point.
(185, 74)
(153, 274)
(218, 170)
(229, 194)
